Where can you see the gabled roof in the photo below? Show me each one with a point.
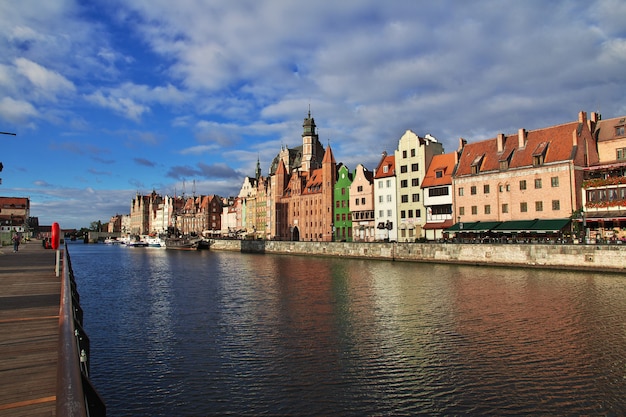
(314, 183)
(444, 163)
(555, 143)
(605, 129)
(386, 167)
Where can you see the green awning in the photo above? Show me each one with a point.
(460, 226)
(515, 226)
(549, 225)
(482, 226)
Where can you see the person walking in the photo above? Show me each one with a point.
(16, 242)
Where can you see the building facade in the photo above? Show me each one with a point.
(342, 227)
(535, 174)
(362, 205)
(412, 157)
(385, 206)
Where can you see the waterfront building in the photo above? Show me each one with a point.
(532, 175)
(412, 157)
(201, 216)
(437, 188)
(342, 227)
(604, 188)
(14, 216)
(362, 205)
(247, 199)
(140, 208)
(301, 183)
(115, 224)
(385, 199)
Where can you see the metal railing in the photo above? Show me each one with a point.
(76, 396)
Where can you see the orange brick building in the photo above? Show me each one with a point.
(535, 174)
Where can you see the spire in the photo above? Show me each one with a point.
(309, 125)
(258, 168)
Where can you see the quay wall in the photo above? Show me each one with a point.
(611, 258)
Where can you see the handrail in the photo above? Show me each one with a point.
(76, 396)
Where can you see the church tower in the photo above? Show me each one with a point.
(310, 145)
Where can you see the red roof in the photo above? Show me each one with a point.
(443, 163)
(555, 143)
(386, 167)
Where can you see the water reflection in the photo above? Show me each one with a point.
(186, 333)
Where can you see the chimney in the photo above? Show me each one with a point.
(582, 117)
(521, 138)
(593, 121)
(500, 142)
(462, 143)
(574, 138)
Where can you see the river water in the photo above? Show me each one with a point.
(177, 333)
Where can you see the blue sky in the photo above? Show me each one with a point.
(110, 98)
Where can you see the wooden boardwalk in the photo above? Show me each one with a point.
(29, 331)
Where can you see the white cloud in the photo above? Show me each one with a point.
(16, 111)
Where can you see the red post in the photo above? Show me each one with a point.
(55, 236)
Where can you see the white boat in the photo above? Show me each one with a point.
(154, 241)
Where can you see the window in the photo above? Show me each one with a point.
(439, 174)
(504, 165)
(415, 182)
(473, 190)
(461, 192)
(505, 208)
(386, 169)
(621, 153)
(363, 200)
(556, 205)
(388, 184)
(380, 184)
(356, 201)
(619, 131)
(474, 210)
(404, 169)
(381, 213)
(415, 198)
(554, 181)
(404, 183)
(389, 198)
(404, 198)
(389, 212)
(336, 203)
(380, 199)
(410, 214)
(461, 211)
(359, 188)
(412, 152)
(402, 214)
(418, 213)
(522, 185)
(523, 207)
(538, 205)
(537, 183)
(487, 209)
(415, 167)
(404, 154)
(438, 191)
(486, 188)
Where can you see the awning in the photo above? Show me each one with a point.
(549, 225)
(515, 226)
(441, 225)
(604, 215)
(460, 226)
(482, 227)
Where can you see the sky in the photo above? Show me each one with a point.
(110, 98)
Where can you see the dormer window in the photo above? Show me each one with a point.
(619, 130)
(386, 169)
(505, 162)
(476, 164)
(539, 154)
(439, 173)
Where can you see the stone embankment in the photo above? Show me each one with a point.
(610, 258)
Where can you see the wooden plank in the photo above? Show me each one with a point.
(29, 331)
